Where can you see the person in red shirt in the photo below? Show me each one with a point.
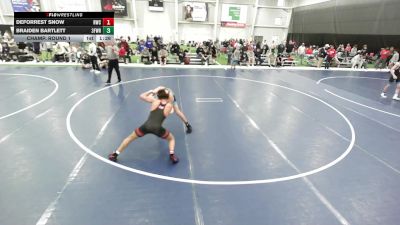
(108, 6)
(347, 50)
(331, 53)
(122, 53)
(309, 51)
(381, 62)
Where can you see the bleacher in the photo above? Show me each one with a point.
(285, 61)
(345, 62)
(193, 59)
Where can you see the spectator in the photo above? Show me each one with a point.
(149, 44)
(122, 54)
(145, 58)
(235, 58)
(124, 44)
(182, 55)
(163, 55)
(154, 55)
(206, 56)
(265, 49)
(381, 62)
(321, 55)
(93, 58)
(331, 54)
(175, 50)
(258, 56)
(36, 50)
(356, 61)
(279, 60)
(364, 50)
(353, 51)
(73, 53)
(84, 59)
(347, 50)
(301, 51)
(273, 48)
(213, 53)
(140, 47)
(281, 48)
(290, 47)
(59, 53)
(46, 50)
(309, 51)
(251, 56)
(230, 51)
(129, 54)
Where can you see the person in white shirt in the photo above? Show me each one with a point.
(356, 61)
(59, 53)
(353, 51)
(394, 59)
(93, 58)
(302, 52)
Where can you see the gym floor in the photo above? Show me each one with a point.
(272, 146)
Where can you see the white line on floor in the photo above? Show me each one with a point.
(74, 173)
(327, 78)
(43, 113)
(317, 193)
(71, 95)
(20, 128)
(21, 92)
(209, 100)
(356, 145)
(357, 103)
(196, 207)
(365, 116)
(36, 103)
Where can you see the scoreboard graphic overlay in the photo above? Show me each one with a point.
(63, 26)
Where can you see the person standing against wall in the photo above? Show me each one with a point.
(112, 56)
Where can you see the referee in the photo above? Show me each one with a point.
(112, 55)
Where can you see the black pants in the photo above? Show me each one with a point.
(95, 64)
(113, 64)
(259, 61)
(328, 62)
(128, 58)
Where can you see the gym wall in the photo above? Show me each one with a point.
(371, 22)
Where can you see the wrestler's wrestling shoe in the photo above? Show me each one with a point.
(174, 159)
(113, 157)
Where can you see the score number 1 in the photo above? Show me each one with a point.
(108, 21)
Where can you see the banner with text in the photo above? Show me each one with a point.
(234, 15)
(156, 5)
(117, 6)
(26, 5)
(195, 11)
